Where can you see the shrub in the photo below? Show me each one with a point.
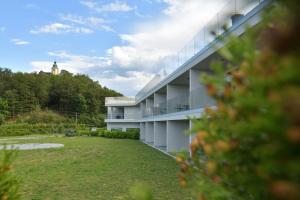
(249, 146)
(37, 117)
(2, 119)
(70, 133)
(129, 134)
(9, 185)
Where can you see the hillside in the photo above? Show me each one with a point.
(25, 92)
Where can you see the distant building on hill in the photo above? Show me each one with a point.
(55, 70)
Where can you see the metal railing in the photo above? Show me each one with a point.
(115, 116)
(119, 101)
(227, 17)
(197, 98)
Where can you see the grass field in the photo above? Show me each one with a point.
(95, 168)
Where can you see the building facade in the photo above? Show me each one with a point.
(163, 109)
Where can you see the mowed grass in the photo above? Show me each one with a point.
(95, 168)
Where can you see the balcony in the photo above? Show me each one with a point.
(195, 99)
(120, 101)
(223, 22)
(115, 116)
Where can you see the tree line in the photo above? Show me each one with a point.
(25, 92)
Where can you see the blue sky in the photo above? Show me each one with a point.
(119, 43)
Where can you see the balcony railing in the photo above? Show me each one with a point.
(228, 17)
(115, 116)
(119, 101)
(197, 98)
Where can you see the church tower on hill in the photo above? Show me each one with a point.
(55, 70)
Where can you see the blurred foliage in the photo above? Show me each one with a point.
(141, 191)
(248, 147)
(9, 185)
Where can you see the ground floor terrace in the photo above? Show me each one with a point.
(169, 136)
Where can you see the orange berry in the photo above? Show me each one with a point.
(211, 89)
(184, 167)
(202, 197)
(222, 146)
(208, 149)
(285, 190)
(182, 183)
(232, 113)
(216, 179)
(238, 77)
(293, 135)
(201, 135)
(179, 159)
(227, 91)
(233, 143)
(211, 167)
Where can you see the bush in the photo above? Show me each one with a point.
(249, 146)
(38, 117)
(129, 134)
(70, 133)
(9, 185)
(2, 119)
(20, 129)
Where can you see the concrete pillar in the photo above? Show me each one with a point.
(160, 134)
(177, 139)
(142, 109)
(142, 131)
(149, 132)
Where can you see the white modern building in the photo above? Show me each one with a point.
(163, 108)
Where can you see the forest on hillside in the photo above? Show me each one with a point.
(64, 93)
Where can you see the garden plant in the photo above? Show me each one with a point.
(248, 146)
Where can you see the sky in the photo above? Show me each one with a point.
(119, 43)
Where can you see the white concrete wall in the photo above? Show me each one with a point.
(194, 79)
(121, 125)
(176, 94)
(160, 134)
(109, 112)
(142, 108)
(132, 112)
(176, 90)
(199, 97)
(149, 103)
(159, 98)
(142, 131)
(149, 106)
(149, 132)
(177, 140)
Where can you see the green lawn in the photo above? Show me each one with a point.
(95, 168)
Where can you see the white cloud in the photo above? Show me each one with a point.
(18, 41)
(91, 22)
(71, 62)
(163, 38)
(99, 68)
(116, 6)
(128, 84)
(128, 67)
(59, 28)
